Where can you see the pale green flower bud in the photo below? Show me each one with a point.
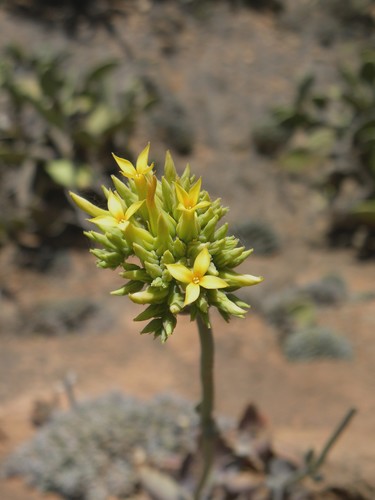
(224, 304)
(137, 274)
(176, 301)
(126, 194)
(145, 255)
(221, 232)
(154, 270)
(100, 238)
(239, 280)
(149, 296)
(169, 168)
(179, 248)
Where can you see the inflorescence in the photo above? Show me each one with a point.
(183, 259)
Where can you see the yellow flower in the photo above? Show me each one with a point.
(188, 225)
(138, 173)
(117, 215)
(188, 201)
(196, 277)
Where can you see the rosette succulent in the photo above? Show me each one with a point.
(165, 236)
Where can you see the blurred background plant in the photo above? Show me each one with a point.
(56, 132)
(332, 128)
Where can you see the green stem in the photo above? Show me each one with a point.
(207, 422)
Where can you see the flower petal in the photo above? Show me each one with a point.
(132, 209)
(115, 206)
(182, 195)
(104, 221)
(127, 168)
(142, 161)
(192, 293)
(194, 192)
(87, 206)
(212, 282)
(180, 272)
(202, 262)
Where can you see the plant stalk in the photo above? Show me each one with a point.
(207, 423)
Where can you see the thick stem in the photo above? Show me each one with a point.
(207, 422)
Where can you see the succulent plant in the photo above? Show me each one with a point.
(183, 258)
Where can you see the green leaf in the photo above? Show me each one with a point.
(68, 175)
(95, 75)
(100, 120)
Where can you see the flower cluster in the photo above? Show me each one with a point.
(182, 258)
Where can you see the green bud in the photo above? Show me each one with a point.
(241, 258)
(179, 248)
(117, 239)
(188, 226)
(145, 255)
(136, 274)
(149, 296)
(150, 312)
(212, 269)
(239, 280)
(169, 168)
(209, 230)
(167, 258)
(176, 301)
(154, 270)
(221, 232)
(185, 178)
(226, 258)
(131, 287)
(163, 237)
(107, 259)
(168, 196)
(202, 303)
(169, 324)
(238, 301)
(138, 235)
(99, 238)
(125, 193)
(223, 303)
(129, 266)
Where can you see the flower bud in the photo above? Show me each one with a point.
(151, 311)
(150, 296)
(239, 280)
(188, 227)
(122, 189)
(131, 287)
(169, 168)
(223, 303)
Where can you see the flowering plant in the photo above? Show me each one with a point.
(184, 259)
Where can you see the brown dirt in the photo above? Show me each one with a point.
(227, 88)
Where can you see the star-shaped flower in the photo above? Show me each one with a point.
(140, 170)
(188, 201)
(196, 277)
(118, 215)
